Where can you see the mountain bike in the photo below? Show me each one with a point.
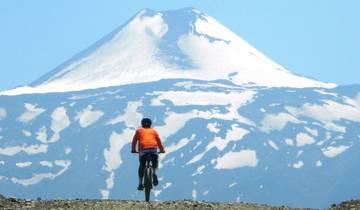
(148, 178)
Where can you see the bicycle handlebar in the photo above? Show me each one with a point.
(136, 152)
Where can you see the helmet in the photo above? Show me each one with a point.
(146, 123)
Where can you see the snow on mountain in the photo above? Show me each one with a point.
(246, 131)
(172, 44)
(224, 142)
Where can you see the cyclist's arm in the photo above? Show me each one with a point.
(134, 142)
(161, 147)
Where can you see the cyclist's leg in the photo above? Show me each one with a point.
(141, 170)
(155, 162)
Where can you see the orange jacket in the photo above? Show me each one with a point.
(148, 138)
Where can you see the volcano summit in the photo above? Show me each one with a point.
(172, 44)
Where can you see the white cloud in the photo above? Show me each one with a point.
(31, 113)
(87, 117)
(333, 151)
(233, 160)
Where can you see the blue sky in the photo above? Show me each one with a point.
(319, 39)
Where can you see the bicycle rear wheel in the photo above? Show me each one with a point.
(148, 183)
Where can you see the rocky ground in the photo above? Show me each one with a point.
(351, 205)
(13, 203)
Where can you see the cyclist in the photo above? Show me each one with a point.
(148, 142)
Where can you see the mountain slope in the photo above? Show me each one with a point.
(172, 44)
(279, 146)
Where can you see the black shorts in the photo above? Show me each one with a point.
(153, 155)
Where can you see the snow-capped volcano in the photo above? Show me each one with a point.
(172, 44)
(226, 136)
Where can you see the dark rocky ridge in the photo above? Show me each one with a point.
(79, 204)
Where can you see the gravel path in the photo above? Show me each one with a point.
(78, 204)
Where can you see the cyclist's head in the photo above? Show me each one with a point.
(146, 123)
